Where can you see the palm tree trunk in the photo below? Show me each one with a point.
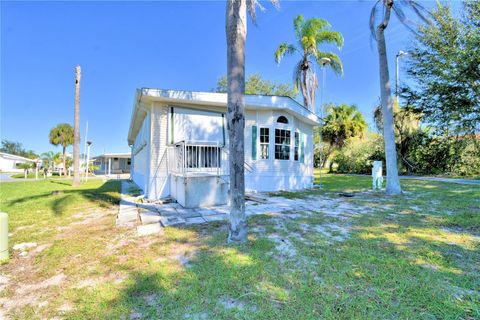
(64, 160)
(236, 30)
(76, 130)
(393, 182)
(304, 85)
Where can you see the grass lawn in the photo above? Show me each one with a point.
(414, 256)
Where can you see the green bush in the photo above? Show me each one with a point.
(358, 154)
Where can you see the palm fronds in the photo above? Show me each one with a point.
(283, 50)
(398, 7)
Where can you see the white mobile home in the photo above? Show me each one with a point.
(179, 144)
(10, 162)
(112, 163)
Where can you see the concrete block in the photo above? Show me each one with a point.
(195, 220)
(149, 217)
(216, 217)
(171, 220)
(188, 213)
(149, 229)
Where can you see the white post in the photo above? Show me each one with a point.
(377, 175)
(88, 161)
(109, 166)
(36, 169)
(85, 153)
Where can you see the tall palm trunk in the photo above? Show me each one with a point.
(64, 160)
(236, 30)
(393, 182)
(76, 130)
(304, 82)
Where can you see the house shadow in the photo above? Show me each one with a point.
(105, 195)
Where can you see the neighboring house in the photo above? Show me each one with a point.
(112, 163)
(179, 144)
(10, 162)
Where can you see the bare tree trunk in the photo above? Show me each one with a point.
(236, 29)
(76, 130)
(64, 160)
(393, 182)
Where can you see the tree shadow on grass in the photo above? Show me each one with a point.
(360, 278)
(104, 196)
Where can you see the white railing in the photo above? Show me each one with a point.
(196, 157)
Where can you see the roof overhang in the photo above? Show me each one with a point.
(15, 157)
(144, 97)
(113, 155)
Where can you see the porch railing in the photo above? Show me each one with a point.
(190, 158)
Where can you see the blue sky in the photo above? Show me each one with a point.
(122, 46)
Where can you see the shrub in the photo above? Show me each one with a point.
(358, 154)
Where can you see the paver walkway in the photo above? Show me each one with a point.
(151, 217)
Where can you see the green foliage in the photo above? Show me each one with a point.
(62, 135)
(446, 155)
(25, 165)
(256, 85)
(310, 35)
(407, 132)
(358, 154)
(444, 65)
(341, 123)
(16, 148)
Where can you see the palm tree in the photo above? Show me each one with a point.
(236, 33)
(25, 166)
(76, 130)
(311, 34)
(57, 158)
(378, 33)
(342, 122)
(47, 158)
(62, 135)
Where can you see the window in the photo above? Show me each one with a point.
(264, 141)
(282, 144)
(282, 119)
(297, 143)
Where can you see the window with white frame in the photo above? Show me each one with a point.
(264, 142)
(282, 144)
(297, 144)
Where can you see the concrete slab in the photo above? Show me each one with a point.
(188, 213)
(149, 229)
(196, 220)
(171, 221)
(167, 210)
(216, 217)
(149, 217)
(147, 206)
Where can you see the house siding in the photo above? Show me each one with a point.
(150, 167)
(159, 186)
(271, 174)
(140, 155)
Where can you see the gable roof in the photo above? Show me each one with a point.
(183, 97)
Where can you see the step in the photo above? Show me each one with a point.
(149, 229)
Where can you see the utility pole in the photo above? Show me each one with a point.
(397, 56)
(324, 62)
(76, 130)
